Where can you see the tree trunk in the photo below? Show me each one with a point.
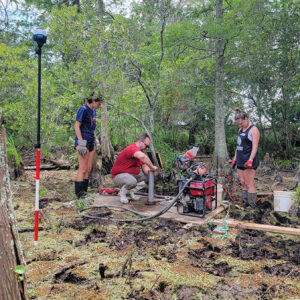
(95, 175)
(286, 108)
(10, 247)
(221, 154)
(77, 2)
(296, 179)
(103, 162)
(106, 147)
(192, 133)
(152, 149)
(101, 7)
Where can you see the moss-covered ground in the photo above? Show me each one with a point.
(80, 258)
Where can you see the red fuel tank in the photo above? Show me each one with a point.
(203, 187)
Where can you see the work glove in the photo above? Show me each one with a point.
(98, 146)
(248, 164)
(233, 164)
(82, 149)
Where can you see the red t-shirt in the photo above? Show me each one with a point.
(126, 162)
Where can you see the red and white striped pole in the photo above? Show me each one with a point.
(40, 37)
(37, 198)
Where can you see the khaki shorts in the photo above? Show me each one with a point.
(129, 180)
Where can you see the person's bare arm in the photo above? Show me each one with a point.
(254, 132)
(145, 160)
(77, 130)
(234, 157)
(146, 169)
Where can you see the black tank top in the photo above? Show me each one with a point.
(244, 148)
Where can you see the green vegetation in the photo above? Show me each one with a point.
(12, 152)
(157, 69)
(296, 196)
(20, 270)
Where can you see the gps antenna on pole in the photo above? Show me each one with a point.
(40, 37)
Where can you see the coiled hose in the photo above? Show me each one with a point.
(143, 216)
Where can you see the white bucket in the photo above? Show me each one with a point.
(194, 150)
(283, 200)
(219, 194)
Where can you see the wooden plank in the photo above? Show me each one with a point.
(260, 227)
(192, 221)
(195, 220)
(142, 207)
(42, 167)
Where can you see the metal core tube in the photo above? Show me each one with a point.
(151, 187)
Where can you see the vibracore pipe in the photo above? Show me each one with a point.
(151, 188)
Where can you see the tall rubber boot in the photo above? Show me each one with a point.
(252, 199)
(79, 189)
(245, 198)
(123, 192)
(86, 184)
(139, 186)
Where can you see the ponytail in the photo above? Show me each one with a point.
(94, 97)
(239, 114)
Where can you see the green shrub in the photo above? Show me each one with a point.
(176, 139)
(282, 163)
(296, 196)
(12, 152)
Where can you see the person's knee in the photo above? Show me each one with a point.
(144, 178)
(251, 186)
(243, 183)
(246, 186)
(83, 169)
(89, 169)
(125, 179)
(130, 183)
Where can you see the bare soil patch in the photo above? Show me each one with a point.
(80, 258)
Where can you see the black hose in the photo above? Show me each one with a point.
(144, 217)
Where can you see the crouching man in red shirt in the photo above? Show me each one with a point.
(126, 171)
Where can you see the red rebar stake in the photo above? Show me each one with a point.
(37, 194)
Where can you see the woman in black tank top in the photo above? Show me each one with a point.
(246, 156)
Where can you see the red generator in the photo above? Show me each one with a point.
(198, 196)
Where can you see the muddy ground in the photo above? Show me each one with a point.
(80, 258)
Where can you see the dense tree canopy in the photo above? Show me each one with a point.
(157, 64)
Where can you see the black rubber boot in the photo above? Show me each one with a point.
(86, 185)
(80, 189)
(245, 198)
(252, 199)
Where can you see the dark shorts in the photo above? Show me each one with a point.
(244, 168)
(90, 145)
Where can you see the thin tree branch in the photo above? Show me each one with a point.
(141, 82)
(130, 115)
(163, 26)
(5, 21)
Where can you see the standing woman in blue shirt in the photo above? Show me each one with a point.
(85, 141)
(246, 156)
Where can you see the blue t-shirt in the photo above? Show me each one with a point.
(87, 118)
